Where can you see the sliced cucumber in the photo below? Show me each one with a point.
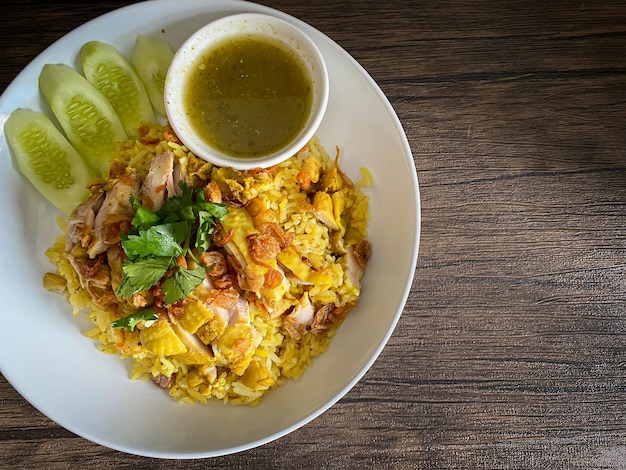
(107, 69)
(151, 57)
(88, 119)
(47, 159)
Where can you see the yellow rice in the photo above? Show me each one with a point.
(286, 358)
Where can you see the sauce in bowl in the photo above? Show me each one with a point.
(246, 91)
(248, 96)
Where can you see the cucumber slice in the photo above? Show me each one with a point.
(107, 69)
(47, 159)
(88, 119)
(151, 57)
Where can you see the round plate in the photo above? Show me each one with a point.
(42, 351)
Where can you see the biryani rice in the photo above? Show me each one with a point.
(282, 355)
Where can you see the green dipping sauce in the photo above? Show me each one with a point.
(248, 96)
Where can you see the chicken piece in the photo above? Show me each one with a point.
(257, 377)
(251, 274)
(115, 213)
(81, 221)
(159, 338)
(293, 261)
(323, 210)
(213, 327)
(115, 260)
(241, 224)
(155, 184)
(342, 200)
(250, 279)
(195, 314)
(94, 277)
(300, 317)
(204, 289)
(209, 372)
(273, 296)
(197, 352)
(236, 346)
(173, 184)
(209, 317)
(240, 313)
(355, 261)
(227, 329)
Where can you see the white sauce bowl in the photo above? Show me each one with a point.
(217, 31)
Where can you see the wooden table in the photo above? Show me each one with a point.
(511, 351)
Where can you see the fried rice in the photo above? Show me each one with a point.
(320, 236)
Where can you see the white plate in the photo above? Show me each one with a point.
(45, 357)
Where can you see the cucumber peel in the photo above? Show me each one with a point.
(151, 57)
(87, 118)
(46, 158)
(107, 69)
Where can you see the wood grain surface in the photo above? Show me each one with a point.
(511, 351)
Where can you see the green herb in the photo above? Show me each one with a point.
(143, 217)
(142, 275)
(156, 238)
(129, 322)
(181, 283)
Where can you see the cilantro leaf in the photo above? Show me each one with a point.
(142, 275)
(217, 211)
(171, 207)
(184, 222)
(158, 240)
(206, 224)
(188, 214)
(207, 214)
(143, 217)
(129, 322)
(181, 283)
